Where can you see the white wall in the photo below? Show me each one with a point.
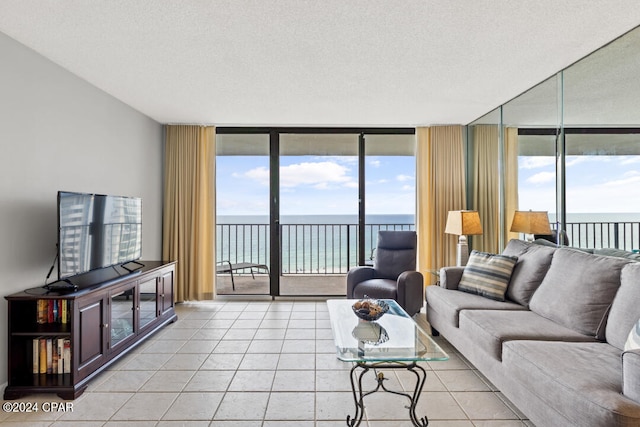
(58, 132)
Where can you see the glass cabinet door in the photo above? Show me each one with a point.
(147, 302)
(122, 315)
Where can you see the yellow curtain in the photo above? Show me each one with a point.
(486, 193)
(486, 184)
(440, 189)
(510, 179)
(188, 229)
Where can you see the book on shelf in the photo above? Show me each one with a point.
(65, 309)
(53, 311)
(35, 350)
(66, 356)
(51, 355)
(60, 354)
(49, 347)
(43, 355)
(54, 356)
(42, 311)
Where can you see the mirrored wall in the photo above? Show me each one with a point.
(569, 146)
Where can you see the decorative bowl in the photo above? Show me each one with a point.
(370, 309)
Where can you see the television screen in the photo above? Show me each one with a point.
(97, 231)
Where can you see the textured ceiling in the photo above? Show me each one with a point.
(315, 63)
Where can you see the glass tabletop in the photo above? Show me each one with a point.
(393, 337)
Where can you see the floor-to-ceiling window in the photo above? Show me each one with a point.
(300, 207)
(390, 186)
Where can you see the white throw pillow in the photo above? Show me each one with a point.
(633, 340)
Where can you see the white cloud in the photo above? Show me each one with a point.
(348, 160)
(375, 163)
(314, 173)
(535, 162)
(403, 178)
(629, 178)
(542, 177)
(319, 175)
(260, 174)
(576, 160)
(629, 160)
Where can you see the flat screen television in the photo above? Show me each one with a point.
(97, 231)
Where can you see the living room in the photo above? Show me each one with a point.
(65, 130)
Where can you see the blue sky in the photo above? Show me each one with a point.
(595, 184)
(315, 185)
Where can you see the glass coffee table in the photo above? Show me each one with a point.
(394, 341)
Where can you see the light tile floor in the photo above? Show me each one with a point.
(264, 364)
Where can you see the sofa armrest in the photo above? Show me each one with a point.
(631, 374)
(356, 275)
(450, 277)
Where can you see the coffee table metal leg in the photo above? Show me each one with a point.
(358, 395)
(423, 422)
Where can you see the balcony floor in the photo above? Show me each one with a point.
(293, 284)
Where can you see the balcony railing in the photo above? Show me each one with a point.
(333, 248)
(619, 235)
(305, 248)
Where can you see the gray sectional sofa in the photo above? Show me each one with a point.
(555, 346)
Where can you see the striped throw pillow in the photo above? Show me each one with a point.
(487, 274)
(633, 340)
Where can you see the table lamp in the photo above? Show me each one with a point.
(530, 223)
(463, 223)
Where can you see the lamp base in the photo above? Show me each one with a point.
(462, 253)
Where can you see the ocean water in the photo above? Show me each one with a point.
(316, 219)
(310, 244)
(603, 230)
(328, 244)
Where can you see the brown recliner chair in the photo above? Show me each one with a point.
(393, 274)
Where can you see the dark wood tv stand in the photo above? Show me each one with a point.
(108, 316)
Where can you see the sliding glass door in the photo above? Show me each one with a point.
(297, 208)
(242, 214)
(318, 212)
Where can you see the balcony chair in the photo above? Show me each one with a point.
(392, 275)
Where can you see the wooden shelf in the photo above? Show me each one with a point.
(92, 308)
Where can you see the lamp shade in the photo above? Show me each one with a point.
(463, 223)
(531, 222)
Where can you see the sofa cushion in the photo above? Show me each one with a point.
(625, 309)
(533, 264)
(491, 328)
(578, 289)
(580, 380)
(487, 274)
(448, 303)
